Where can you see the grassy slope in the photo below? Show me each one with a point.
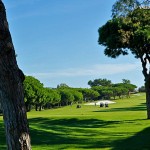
(122, 126)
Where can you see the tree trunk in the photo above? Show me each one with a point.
(36, 107)
(146, 73)
(11, 91)
(28, 106)
(147, 87)
(40, 107)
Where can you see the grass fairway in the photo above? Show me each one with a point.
(122, 126)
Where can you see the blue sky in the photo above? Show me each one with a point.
(56, 42)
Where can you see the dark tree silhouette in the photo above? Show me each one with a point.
(11, 91)
(129, 30)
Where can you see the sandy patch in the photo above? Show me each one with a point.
(101, 101)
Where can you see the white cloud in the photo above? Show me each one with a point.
(95, 70)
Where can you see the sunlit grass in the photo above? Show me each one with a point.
(122, 126)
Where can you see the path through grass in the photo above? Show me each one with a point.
(122, 126)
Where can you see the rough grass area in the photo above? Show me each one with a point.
(122, 126)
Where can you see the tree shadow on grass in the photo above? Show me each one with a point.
(47, 123)
(69, 132)
(139, 141)
(64, 132)
(2, 137)
(86, 134)
(81, 134)
(140, 107)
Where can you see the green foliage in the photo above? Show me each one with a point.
(32, 91)
(118, 89)
(129, 30)
(122, 8)
(66, 97)
(62, 86)
(89, 94)
(129, 87)
(142, 89)
(78, 96)
(126, 81)
(53, 96)
(40, 97)
(100, 82)
(123, 33)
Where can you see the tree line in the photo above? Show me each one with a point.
(38, 97)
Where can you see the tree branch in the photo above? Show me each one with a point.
(143, 60)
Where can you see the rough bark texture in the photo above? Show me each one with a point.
(11, 91)
(147, 87)
(146, 72)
